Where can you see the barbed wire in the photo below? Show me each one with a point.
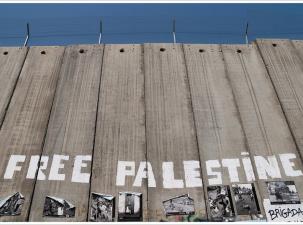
(140, 29)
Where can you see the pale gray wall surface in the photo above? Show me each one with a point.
(120, 131)
(178, 105)
(71, 128)
(24, 126)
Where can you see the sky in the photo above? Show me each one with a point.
(64, 24)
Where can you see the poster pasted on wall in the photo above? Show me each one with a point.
(58, 207)
(284, 203)
(11, 205)
(130, 206)
(283, 212)
(220, 204)
(246, 201)
(102, 208)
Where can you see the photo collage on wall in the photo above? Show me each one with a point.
(103, 207)
(225, 202)
(283, 192)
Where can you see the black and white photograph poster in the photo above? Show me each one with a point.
(219, 199)
(58, 207)
(245, 199)
(180, 205)
(11, 205)
(283, 192)
(130, 206)
(102, 208)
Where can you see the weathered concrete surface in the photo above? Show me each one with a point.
(219, 129)
(171, 134)
(283, 62)
(266, 130)
(169, 106)
(71, 131)
(120, 132)
(25, 124)
(11, 62)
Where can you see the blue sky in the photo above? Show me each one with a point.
(62, 24)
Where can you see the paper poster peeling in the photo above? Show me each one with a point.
(130, 206)
(283, 212)
(180, 205)
(11, 205)
(219, 199)
(58, 207)
(102, 208)
(245, 199)
(283, 192)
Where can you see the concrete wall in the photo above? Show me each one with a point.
(163, 120)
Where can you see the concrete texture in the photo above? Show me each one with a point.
(283, 60)
(170, 129)
(24, 126)
(11, 62)
(159, 119)
(264, 124)
(120, 132)
(219, 129)
(71, 129)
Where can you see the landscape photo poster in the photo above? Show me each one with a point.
(246, 201)
(283, 192)
(180, 205)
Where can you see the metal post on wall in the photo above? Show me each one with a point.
(174, 30)
(246, 34)
(100, 32)
(27, 35)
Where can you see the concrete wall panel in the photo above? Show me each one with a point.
(286, 72)
(149, 119)
(120, 134)
(171, 134)
(265, 126)
(71, 131)
(11, 62)
(219, 129)
(25, 124)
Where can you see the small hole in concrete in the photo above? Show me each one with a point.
(201, 50)
(274, 45)
(81, 51)
(5, 53)
(43, 52)
(162, 49)
(239, 51)
(122, 50)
